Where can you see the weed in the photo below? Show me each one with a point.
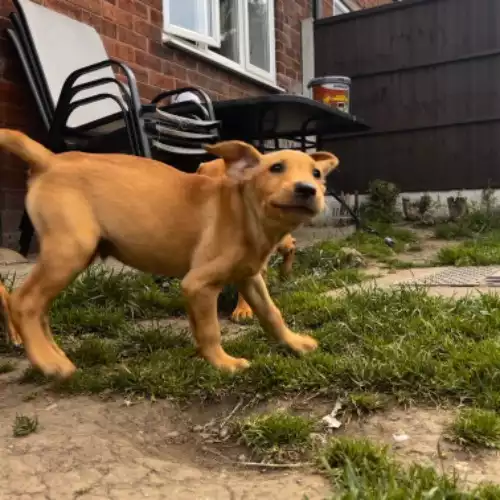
(7, 367)
(476, 427)
(365, 471)
(24, 425)
(276, 434)
(381, 203)
(366, 403)
(483, 251)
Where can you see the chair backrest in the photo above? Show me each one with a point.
(64, 45)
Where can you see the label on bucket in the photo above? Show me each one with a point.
(336, 97)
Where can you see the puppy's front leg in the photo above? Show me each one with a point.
(201, 297)
(255, 291)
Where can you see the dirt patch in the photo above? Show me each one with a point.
(93, 449)
(424, 430)
(429, 250)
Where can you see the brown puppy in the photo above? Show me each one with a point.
(150, 216)
(286, 247)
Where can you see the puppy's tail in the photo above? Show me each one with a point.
(19, 144)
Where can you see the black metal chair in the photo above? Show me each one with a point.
(84, 106)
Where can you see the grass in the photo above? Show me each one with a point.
(399, 343)
(472, 225)
(475, 427)
(362, 470)
(24, 425)
(482, 251)
(7, 367)
(277, 435)
(375, 346)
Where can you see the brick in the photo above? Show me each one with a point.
(109, 29)
(156, 17)
(164, 82)
(92, 20)
(119, 16)
(141, 74)
(131, 38)
(175, 70)
(146, 60)
(148, 92)
(65, 7)
(150, 31)
(125, 53)
(94, 6)
(135, 7)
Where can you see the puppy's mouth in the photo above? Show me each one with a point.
(295, 208)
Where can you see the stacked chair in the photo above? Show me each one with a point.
(85, 106)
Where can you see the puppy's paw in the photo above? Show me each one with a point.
(232, 365)
(302, 343)
(222, 361)
(55, 365)
(242, 313)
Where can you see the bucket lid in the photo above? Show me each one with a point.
(329, 79)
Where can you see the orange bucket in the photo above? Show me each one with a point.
(334, 91)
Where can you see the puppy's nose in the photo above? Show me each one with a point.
(305, 190)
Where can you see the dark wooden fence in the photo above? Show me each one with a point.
(426, 77)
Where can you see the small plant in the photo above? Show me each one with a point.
(7, 367)
(366, 403)
(381, 204)
(276, 434)
(24, 425)
(476, 427)
(481, 252)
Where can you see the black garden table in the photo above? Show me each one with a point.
(264, 120)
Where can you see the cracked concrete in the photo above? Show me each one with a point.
(91, 449)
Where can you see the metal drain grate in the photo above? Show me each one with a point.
(461, 276)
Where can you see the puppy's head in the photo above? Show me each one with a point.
(288, 185)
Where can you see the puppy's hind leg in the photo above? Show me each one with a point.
(66, 247)
(14, 337)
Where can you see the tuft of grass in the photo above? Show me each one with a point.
(275, 434)
(102, 301)
(24, 425)
(473, 224)
(367, 403)
(7, 367)
(483, 251)
(476, 427)
(362, 455)
(363, 470)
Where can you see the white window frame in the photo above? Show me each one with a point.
(214, 20)
(272, 43)
(340, 7)
(181, 38)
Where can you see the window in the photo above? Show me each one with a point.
(340, 7)
(236, 33)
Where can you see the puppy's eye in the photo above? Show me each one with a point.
(277, 168)
(317, 173)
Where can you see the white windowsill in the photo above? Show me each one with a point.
(221, 62)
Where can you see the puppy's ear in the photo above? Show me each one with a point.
(325, 161)
(238, 156)
(214, 168)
